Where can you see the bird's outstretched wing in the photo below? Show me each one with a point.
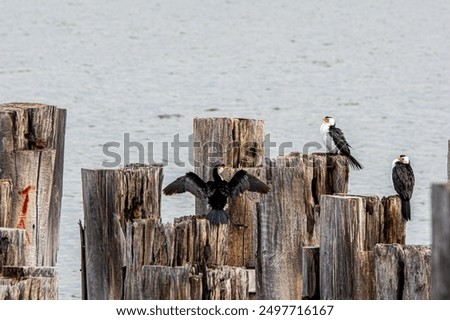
(243, 181)
(190, 182)
(339, 140)
(403, 180)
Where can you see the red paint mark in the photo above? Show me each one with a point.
(24, 212)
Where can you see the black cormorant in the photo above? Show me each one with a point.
(403, 180)
(335, 141)
(218, 190)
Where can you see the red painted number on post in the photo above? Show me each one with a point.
(24, 212)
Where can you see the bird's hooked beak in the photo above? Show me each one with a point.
(222, 167)
(329, 121)
(403, 159)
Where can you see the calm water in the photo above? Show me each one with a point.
(382, 69)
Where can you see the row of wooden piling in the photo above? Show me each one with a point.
(306, 239)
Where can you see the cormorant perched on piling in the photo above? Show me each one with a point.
(403, 180)
(335, 141)
(218, 190)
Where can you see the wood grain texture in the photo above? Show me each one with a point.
(196, 287)
(147, 242)
(6, 190)
(112, 199)
(389, 271)
(288, 218)
(12, 247)
(440, 210)
(83, 261)
(417, 272)
(199, 243)
(227, 283)
(29, 283)
(364, 276)
(242, 215)
(394, 226)
(166, 283)
(32, 156)
(311, 273)
(351, 225)
(402, 272)
(343, 235)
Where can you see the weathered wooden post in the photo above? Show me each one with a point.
(402, 272)
(393, 225)
(343, 224)
(417, 272)
(32, 157)
(118, 207)
(31, 171)
(238, 143)
(388, 271)
(350, 228)
(200, 244)
(288, 218)
(440, 198)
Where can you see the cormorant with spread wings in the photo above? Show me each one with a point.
(218, 190)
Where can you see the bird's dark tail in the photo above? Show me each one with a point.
(406, 209)
(217, 216)
(354, 163)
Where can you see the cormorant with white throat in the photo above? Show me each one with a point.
(218, 190)
(403, 180)
(335, 141)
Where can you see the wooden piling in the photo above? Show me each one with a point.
(342, 237)
(32, 157)
(440, 198)
(350, 228)
(238, 143)
(402, 272)
(307, 206)
(393, 224)
(31, 174)
(389, 271)
(112, 200)
(288, 218)
(417, 272)
(199, 243)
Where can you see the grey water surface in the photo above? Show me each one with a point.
(146, 68)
